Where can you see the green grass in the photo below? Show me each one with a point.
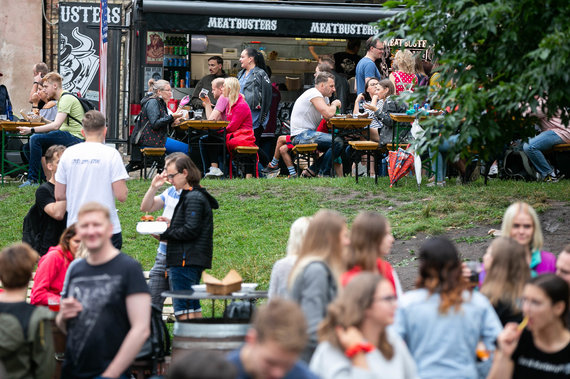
(252, 225)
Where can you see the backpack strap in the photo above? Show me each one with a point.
(68, 115)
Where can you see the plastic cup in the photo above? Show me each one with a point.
(53, 304)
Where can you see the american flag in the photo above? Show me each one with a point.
(103, 34)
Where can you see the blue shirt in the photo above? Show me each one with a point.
(299, 371)
(365, 69)
(170, 198)
(443, 345)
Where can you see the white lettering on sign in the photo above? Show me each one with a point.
(422, 44)
(89, 14)
(241, 23)
(338, 28)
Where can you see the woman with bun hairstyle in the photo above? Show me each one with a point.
(52, 267)
(355, 338)
(313, 282)
(371, 240)
(442, 321)
(507, 272)
(154, 121)
(541, 348)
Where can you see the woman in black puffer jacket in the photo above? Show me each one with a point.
(154, 121)
(189, 234)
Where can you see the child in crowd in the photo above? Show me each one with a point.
(371, 240)
(313, 282)
(26, 341)
(355, 339)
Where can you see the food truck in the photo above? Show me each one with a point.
(173, 39)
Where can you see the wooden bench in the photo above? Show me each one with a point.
(240, 155)
(561, 147)
(305, 151)
(156, 155)
(371, 149)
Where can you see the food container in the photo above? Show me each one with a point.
(231, 283)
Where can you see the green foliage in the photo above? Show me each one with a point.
(500, 55)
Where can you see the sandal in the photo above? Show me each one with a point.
(308, 174)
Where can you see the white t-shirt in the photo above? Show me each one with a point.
(88, 170)
(170, 198)
(304, 115)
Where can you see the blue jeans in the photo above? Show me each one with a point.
(535, 147)
(183, 278)
(439, 165)
(40, 142)
(324, 143)
(175, 146)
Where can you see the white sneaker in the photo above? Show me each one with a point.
(214, 172)
(494, 169)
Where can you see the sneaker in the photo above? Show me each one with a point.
(133, 166)
(270, 171)
(361, 169)
(292, 176)
(214, 172)
(552, 178)
(433, 184)
(29, 183)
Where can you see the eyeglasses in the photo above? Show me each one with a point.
(379, 48)
(388, 299)
(171, 176)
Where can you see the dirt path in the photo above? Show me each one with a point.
(473, 242)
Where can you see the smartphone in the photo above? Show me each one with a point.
(203, 93)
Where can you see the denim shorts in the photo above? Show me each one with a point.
(183, 278)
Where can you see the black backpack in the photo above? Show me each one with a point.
(31, 233)
(87, 105)
(5, 103)
(157, 346)
(517, 165)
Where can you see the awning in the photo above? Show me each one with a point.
(294, 19)
(292, 10)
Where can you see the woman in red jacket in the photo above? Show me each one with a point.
(48, 281)
(239, 131)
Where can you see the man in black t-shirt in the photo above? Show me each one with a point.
(52, 213)
(105, 305)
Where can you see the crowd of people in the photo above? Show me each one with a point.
(336, 307)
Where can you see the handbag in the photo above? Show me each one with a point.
(137, 133)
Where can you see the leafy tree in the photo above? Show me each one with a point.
(500, 55)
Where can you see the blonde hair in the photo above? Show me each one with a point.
(297, 234)
(322, 243)
(508, 273)
(405, 61)
(508, 219)
(53, 77)
(232, 84)
(158, 85)
(93, 206)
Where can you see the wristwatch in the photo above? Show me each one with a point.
(32, 130)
